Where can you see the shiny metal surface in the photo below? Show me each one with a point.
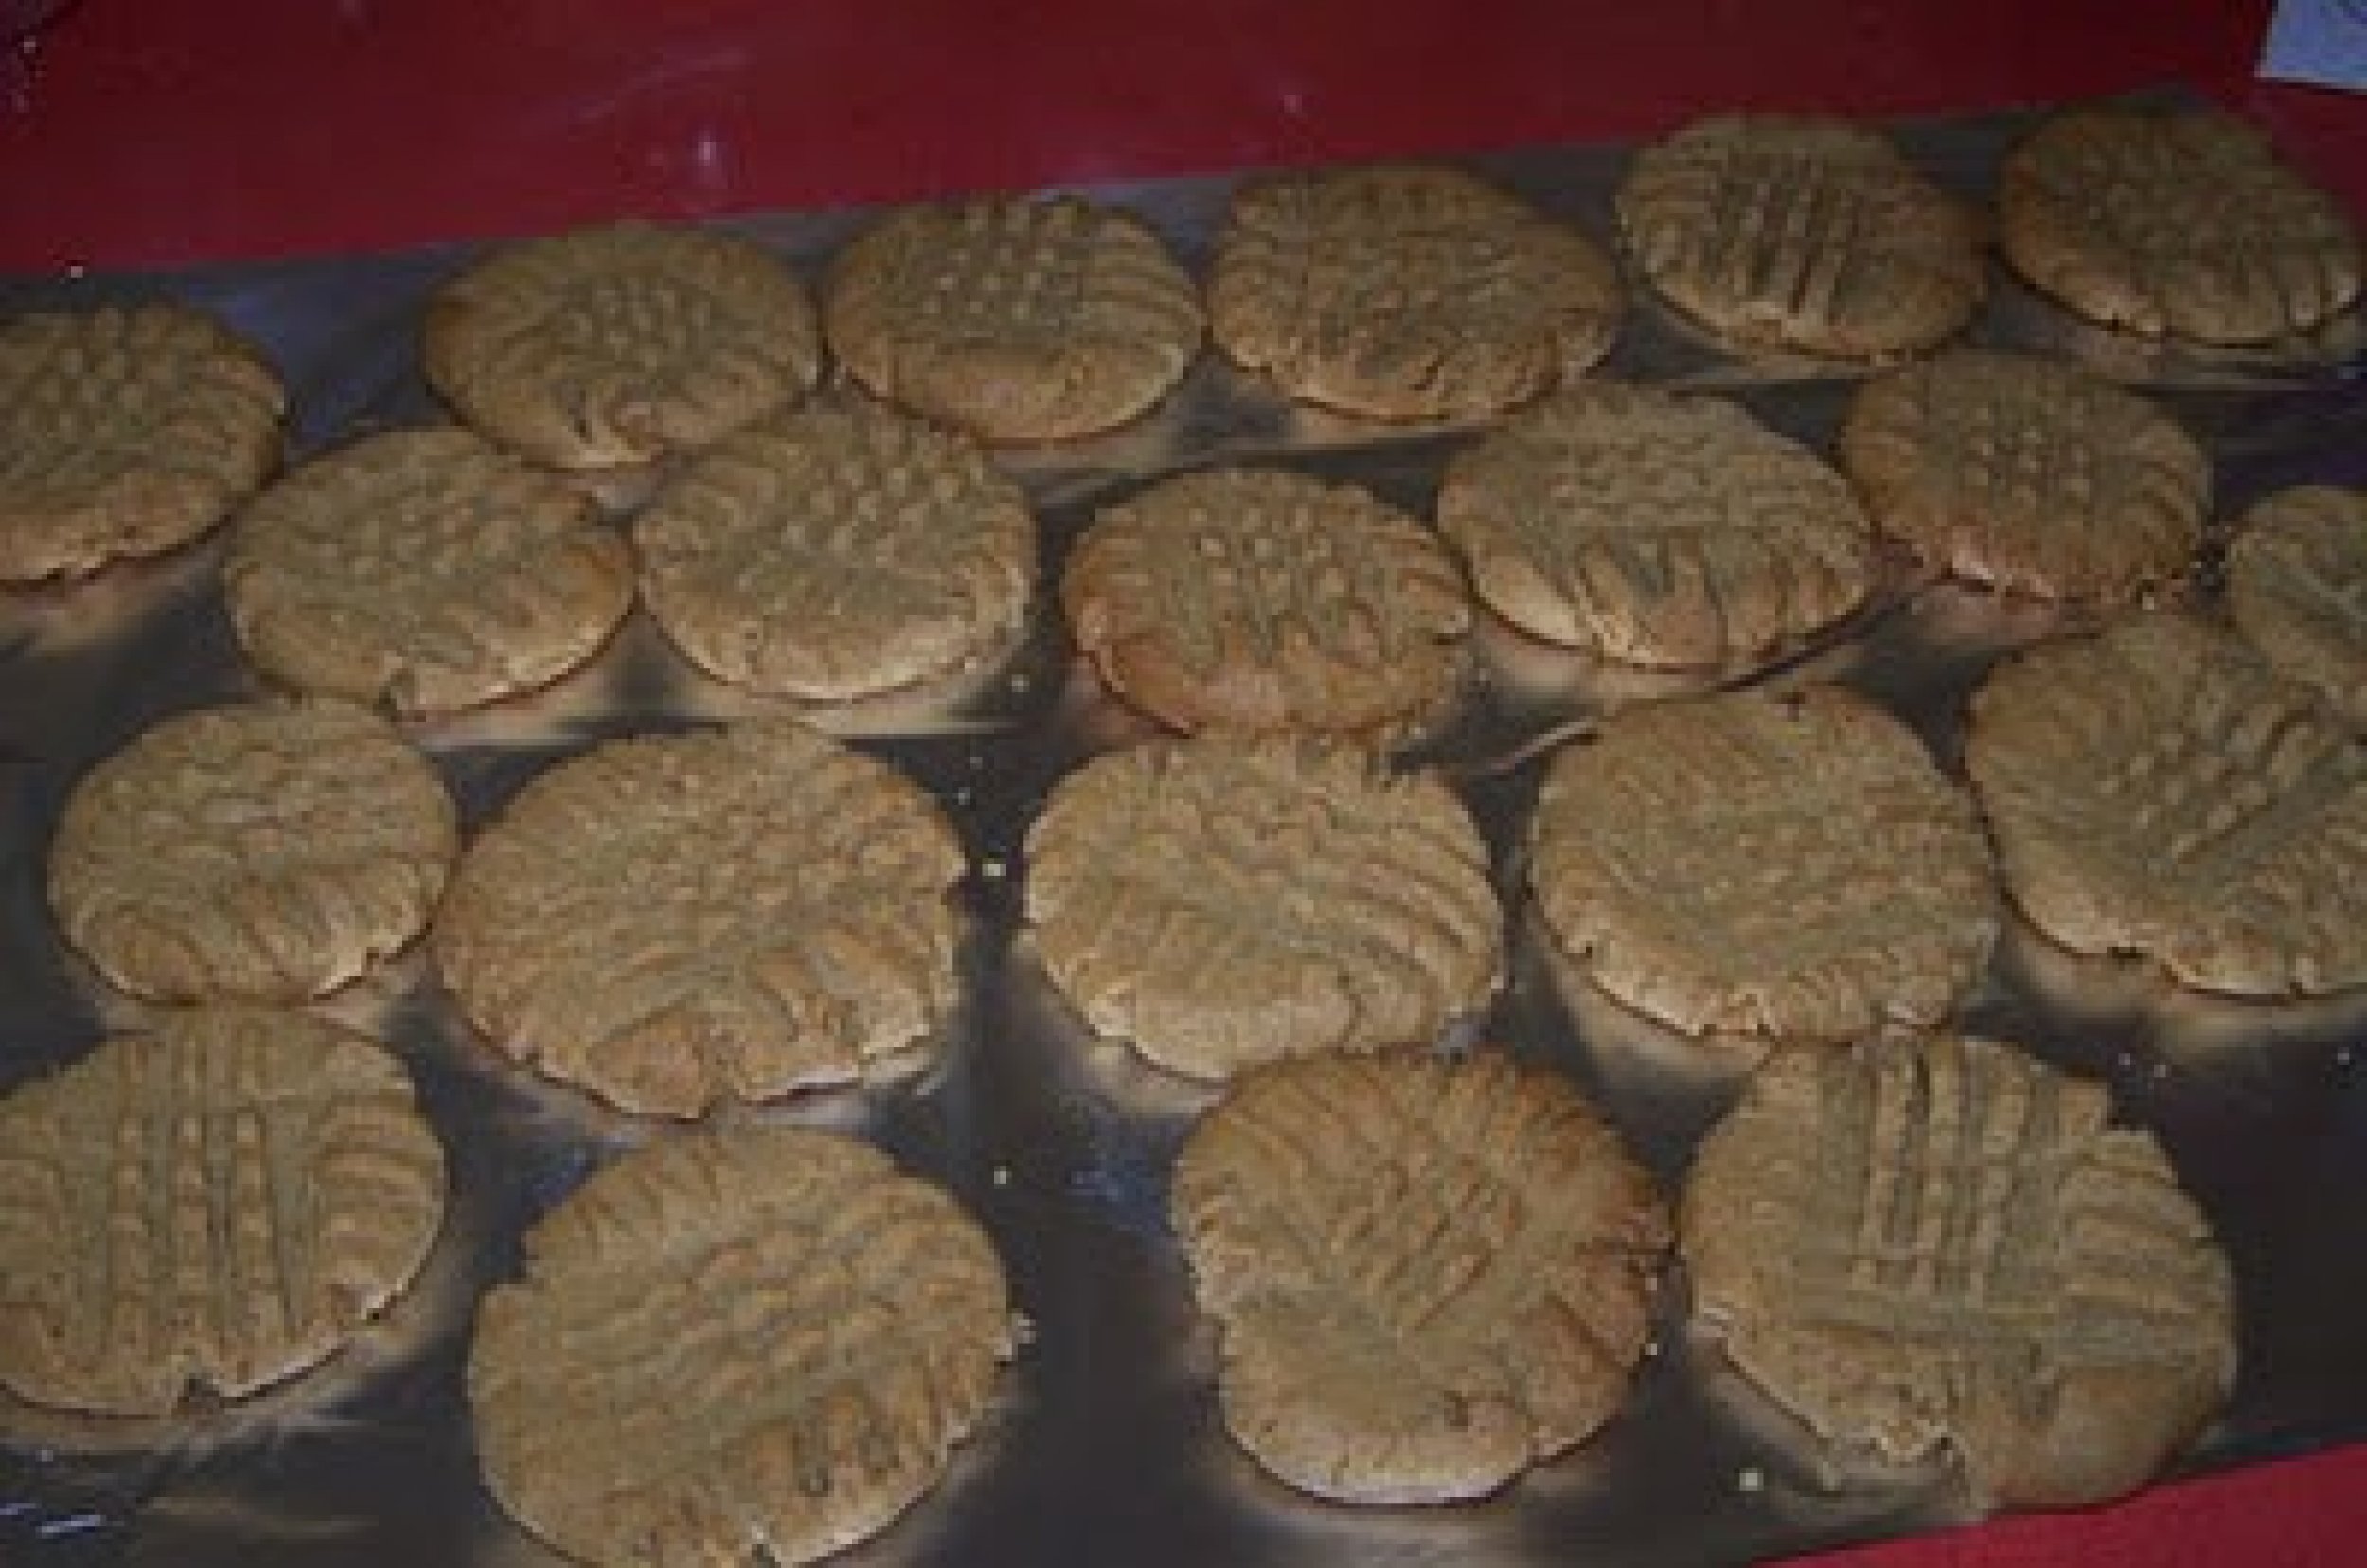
(1106, 1446)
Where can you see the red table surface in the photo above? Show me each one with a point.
(160, 132)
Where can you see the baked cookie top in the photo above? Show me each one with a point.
(2159, 790)
(1014, 319)
(1651, 528)
(124, 432)
(614, 346)
(425, 569)
(1772, 865)
(2181, 223)
(2297, 588)
(2028, 474)
(837, 551)
(1801, 232)
(677, 921)
(1426, 1275)
(207, 1208)
(266, 850)
(1942, 1255)
(1227, 900)
(1407, 293)
(1264, 599)
(759, 1343)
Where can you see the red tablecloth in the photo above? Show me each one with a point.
(163, 132)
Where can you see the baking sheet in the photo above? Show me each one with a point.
(1105, 1445)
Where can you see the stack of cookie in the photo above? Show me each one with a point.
(1431, 1265)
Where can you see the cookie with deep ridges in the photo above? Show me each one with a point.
(1407, 293)
(677, 921)
(425, 569)
(206, 1209)
(1014, 319)
(1770, 866)
(839, 551)
(1260, 599)
(1427, 1275)
(1802, 232)
(758, 1344)
(126, 432)
(607, 346)
(1942, 1256)
(1649, 528)
(2159, 790)
(2180, 223)
(1226, 900)
(2028, 474)
(267, 850)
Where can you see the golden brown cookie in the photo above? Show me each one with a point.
(1798, 231)
(206, 1209)
(1014, 319)
(1224, 900)
(2159, 790)
(1778, 866)
(1269, 600)
(1427, 1274)
(1941, 1256)
(675, 921)
(839, 551)
(760, 1345)
(2179, 222)
(2297, 588)
(2028, 474)
(607, 346)
(1407, 293)
(125, 430)
(425, 569)
(1654, 529)
(266, 850)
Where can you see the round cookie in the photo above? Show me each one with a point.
(207, 1209)
(2176, 223)
(1786, 867)
(1014, 319)
(1940, 1255)
(676, 922)
(1407, 293)
(2028, 474)
(1652, 528)
(1223, 900)
(2159, 790)
(1426, 1275)
(268, 850)
(1263, 600)
(2297, 588)
(607, 346)
(756, 1345)
(836, 552)
(1802, 232)
(125, 432)
(425, 569)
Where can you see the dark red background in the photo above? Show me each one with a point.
(156, 132)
